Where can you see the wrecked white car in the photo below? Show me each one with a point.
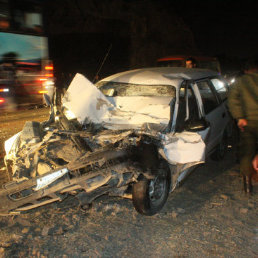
(135, 134)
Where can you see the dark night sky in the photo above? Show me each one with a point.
(222, 27)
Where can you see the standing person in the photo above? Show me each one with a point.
(243, 105)
(190, 62)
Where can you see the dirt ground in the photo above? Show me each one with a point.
(208, 216)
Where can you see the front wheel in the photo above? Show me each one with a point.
(149, 196)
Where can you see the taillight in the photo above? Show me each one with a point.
(50, 75)
(49, 67)
(42, 91)
(47, 76)
(42, 79)
(2, 100)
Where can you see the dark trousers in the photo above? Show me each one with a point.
(248, 147)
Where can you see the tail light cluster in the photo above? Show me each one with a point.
(48, 78)
(3, 90)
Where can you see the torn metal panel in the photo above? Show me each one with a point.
(93, 105)
(182, 148)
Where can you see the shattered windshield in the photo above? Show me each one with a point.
(127, 89)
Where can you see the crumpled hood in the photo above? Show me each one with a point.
(88, 104)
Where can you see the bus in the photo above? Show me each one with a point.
(26, 73)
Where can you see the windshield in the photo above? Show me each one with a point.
(127, 89)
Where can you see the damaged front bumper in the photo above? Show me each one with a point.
(28, 194)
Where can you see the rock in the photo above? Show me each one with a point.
(60, 231)
(23, 222)
(66, 220)
(25, 230)
(34, 251)
(37, 214)
(174, 214)
(180, 210)
(45, 230)
(16, 238)
(1, 251)
(206, 233)
(251, 205)
(75, 216)
(6, 244)
(243, 210)
(223, 196)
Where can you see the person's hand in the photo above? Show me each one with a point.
(255, 163)
(242, 123)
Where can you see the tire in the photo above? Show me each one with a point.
(149, 196)
(221, 149)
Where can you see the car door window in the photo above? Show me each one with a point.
(187, 109)
(220, 87)
(209, 99)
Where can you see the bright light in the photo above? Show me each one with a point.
(42, 79)
(49, 75)
(2, 100)
(48, 83)
(49, 67)
(232, 80)
(4, 90)
(42, 91)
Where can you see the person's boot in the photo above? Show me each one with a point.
(250, 185)
(244, 183)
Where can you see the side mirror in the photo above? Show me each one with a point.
(196, 125)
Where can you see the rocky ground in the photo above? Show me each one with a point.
(208, 216)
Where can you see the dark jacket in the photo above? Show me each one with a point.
(243, 97)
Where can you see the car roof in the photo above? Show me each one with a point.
(160, 75)
(184, 57)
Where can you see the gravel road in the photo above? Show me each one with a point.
(208, 216)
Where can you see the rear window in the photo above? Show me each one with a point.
(171, 63)
(127, 89)
(205, 64)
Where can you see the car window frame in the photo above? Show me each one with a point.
(226, 86)
(213, 90)
(192, 86)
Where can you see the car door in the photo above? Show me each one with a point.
(215, 113)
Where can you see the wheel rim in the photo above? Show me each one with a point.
(157, 190)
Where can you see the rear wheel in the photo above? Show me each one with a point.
(221, 149)
(149, 196)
